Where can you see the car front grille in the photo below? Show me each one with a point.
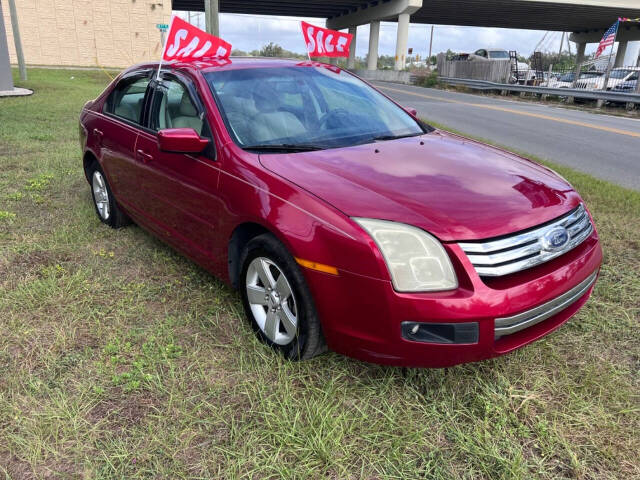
(508, 325)
(506, 255)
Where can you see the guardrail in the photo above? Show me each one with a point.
(560, 92)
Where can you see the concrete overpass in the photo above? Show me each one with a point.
(588, 19)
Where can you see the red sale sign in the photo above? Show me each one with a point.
(186, 42)
(322, 42)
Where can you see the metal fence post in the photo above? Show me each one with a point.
(545, 96)
(579, 59)
(631, 106)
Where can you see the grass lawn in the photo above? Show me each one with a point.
(121, 359)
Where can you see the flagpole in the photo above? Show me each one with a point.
(306, 47)
(607, 75)
(164, 48)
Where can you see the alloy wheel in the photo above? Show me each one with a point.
(100, 195)
(272, 301)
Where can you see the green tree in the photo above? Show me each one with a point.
(272, 50)
(560, 62)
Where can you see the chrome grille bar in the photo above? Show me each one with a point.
(518, 252)
(508, 325)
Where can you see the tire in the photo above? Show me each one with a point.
(104, 202)
(264, 262)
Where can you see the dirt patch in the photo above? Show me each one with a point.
(122, 410)
(15, 468)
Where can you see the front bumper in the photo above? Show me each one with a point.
(365, 318)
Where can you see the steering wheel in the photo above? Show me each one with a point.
(339, 115)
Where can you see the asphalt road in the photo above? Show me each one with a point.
(604, 146)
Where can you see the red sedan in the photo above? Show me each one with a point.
(344, 221)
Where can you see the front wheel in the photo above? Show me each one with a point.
(107, 208)
(277, 300)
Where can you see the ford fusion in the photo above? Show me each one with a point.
(343, 220)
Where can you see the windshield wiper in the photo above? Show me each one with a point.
(285, 147)
(384, 138)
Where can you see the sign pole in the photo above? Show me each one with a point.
(17, 40)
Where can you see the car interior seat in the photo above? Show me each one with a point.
(187, 115)
(271, 123)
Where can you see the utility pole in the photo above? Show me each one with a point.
(561, 45)
(212, 22)
(430, 47)
(16, 40)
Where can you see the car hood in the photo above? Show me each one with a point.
(453, 187)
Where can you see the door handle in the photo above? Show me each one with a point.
(99, 135)
(143, 156)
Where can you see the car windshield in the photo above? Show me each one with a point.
(498, 54)
(567, 77)
(306, 107)
(620, 73)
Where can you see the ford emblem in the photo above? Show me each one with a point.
(555, 239)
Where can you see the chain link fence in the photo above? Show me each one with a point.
(592, 76)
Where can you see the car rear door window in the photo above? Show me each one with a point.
(127, 99)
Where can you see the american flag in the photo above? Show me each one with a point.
(608, 40)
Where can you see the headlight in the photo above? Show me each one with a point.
(416, 261)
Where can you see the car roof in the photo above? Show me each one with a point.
(235, 63)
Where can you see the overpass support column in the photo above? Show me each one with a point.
(374, 39)
(622, 52)
(402, 40)
(351, 61)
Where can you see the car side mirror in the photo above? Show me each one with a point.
(411, 111)
(181, 140)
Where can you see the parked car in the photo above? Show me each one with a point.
(617, 77)
(343, 220)
(566, 80)
(524, 73)
(630, 86)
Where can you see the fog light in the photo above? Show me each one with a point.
(446, 333)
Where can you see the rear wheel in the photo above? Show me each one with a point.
(104, 202)
(277, 300)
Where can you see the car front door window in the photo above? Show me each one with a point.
(174, 108)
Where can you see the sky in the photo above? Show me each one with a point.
(250, 32)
